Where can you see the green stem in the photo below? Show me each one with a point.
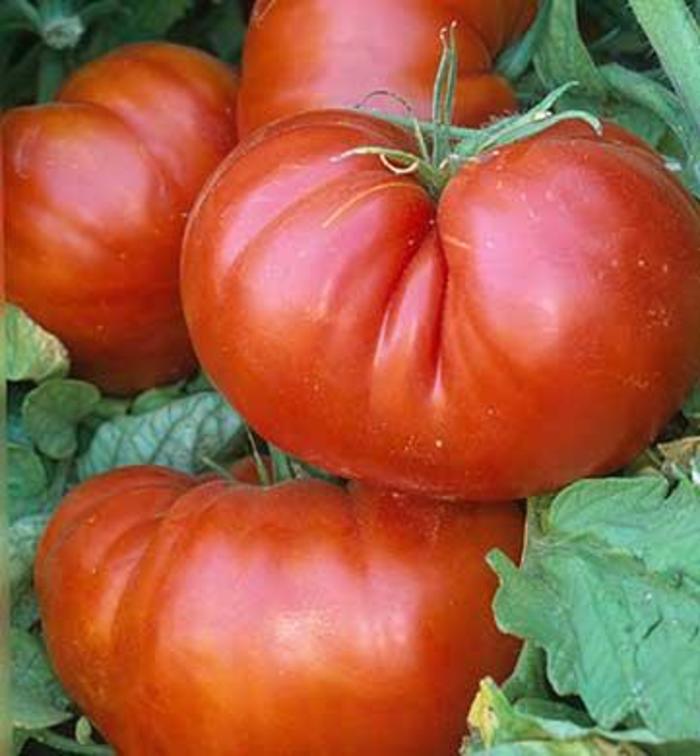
(217, 468)
(51, 73)
(260, 465)
(514, 61)
(68, 745)
(402, 163)
(282, 467)
(443, 96)
(674, 34)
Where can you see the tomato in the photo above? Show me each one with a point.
(337, 52)
(536, 324)
(219, 619)
(99, 185)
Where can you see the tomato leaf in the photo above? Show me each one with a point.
(26, 478)
(180, 435)
(220, 27)
(534, 726)
(156, 16)
(514, 61)
(37, 699)
(155, 398)
(610, 588)
(637, 119)
(691, 407)
(23, 539)
(199, 383)
(32, 354)
(562, 56)
(52, 411)
(529, 678)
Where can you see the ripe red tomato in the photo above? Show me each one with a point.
(219, 619)
(537, 324)
(336, 52)
(99, 185)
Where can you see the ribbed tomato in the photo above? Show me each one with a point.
(336, 52)
(538, 323)
(99, 185)
(220, 619)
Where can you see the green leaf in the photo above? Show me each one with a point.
(691, 407)
(110, 407)
(675, 36)
(516, 59)
(32, 354)
(17, 83)
(34, 486)
(199, 383)
(180, 435)
(15, 398)
(29, 501)
(529, 678)
(25, 610)
(610, 588)
(156, 16)
(562, 56)
(219, 27)
(541, 727)
(26, 478)
(654, 98)
(52, 411)
(36, 697)
(637, 119)
(23, 539)
(226, 29)
(155, 398)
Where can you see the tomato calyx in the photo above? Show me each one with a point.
(443, 147)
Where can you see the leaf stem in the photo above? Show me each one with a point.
(260, 465)
(68, 745)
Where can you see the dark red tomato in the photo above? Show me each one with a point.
(302, 619)
(538, 324)
(336, 52)
(99, 185)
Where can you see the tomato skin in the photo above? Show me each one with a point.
(223, 619)
(538, 325)
(99, 186)
(336, 52)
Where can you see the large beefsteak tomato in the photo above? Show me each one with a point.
(99, 184)
(218, 619)
(538, 323)
(310, 54)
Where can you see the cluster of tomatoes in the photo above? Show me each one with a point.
(535, 323)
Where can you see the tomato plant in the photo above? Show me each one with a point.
(218, 618)
(536, 323)
(336, 53)
(98, 187)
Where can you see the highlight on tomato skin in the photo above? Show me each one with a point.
(99, 185)
(536, 324)
(337, 52)
(223, 618)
